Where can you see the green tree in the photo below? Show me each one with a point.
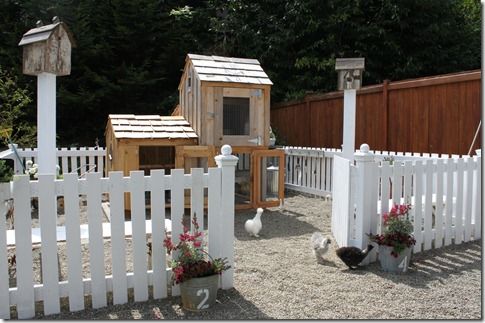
(15, 103)
(130, 54)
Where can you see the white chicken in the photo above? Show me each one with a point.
(319, 245)
(253, 226)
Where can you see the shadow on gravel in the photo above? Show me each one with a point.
(437, 265)
(276, 224)
(230, 305)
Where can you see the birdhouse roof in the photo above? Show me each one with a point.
(228, 69)
(43, 33)
(151, 127)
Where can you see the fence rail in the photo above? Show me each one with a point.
(96, 283)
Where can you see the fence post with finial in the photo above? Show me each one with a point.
(227, 162)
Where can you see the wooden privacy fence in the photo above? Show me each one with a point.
(219, 183)
(437, 114)
(71, 160)
(445, 194)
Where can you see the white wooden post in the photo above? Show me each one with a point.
(342, 209)
(348, 148)
(366, 199)
(227, 163)
(5, 194)
(17, 164)
(46, 123)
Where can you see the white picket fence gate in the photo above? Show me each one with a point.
(80, 160)
(445, 194)
(220, 214)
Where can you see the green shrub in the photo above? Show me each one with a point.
(6, 172)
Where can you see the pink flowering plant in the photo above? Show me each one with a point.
(398, 229)
(191, 260)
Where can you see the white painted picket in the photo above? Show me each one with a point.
(218, 181)
(118, 244)
(73, 246)
(78, 160)
(444, 194)
(4, 277)
(158, 220)
(47, 219)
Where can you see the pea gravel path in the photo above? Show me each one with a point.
(276, 277)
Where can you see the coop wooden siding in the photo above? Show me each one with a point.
(433, 114)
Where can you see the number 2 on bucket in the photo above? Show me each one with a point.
(202, 305)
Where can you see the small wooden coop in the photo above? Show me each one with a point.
(145, 142)
(227, 101)
(222, 100)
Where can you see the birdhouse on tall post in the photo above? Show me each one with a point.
(47, 54)
(350, 72)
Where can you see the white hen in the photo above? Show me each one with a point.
(319, 245)
(253, 226)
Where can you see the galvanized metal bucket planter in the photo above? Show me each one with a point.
(389, 263)
(199, 293)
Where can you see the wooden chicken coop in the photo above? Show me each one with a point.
(227, 101)
(145, 142)
(222, 100)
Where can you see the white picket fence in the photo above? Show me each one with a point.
(80, 160)
(220, 214)
(310, 170)
(445, 194)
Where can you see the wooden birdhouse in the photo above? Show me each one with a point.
(47, 49)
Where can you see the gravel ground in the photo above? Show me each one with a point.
(277, 277)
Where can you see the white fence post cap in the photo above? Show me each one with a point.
(226, 159)
(364, 154)
(226, 150)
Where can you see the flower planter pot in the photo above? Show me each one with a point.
(389, 263)
(199, 293)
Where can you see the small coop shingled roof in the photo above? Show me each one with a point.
(150, 127)
(228, 69)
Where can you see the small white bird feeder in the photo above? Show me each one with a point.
(350, 72)
(47, 54)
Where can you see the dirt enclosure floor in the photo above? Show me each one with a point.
(277, 277)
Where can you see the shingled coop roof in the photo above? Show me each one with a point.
(228, 69)
(151, 127)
